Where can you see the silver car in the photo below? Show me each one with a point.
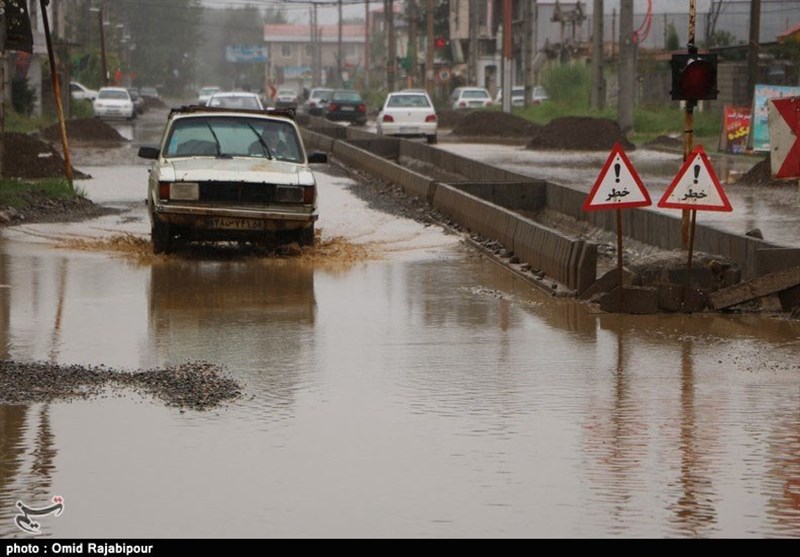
(230, 175)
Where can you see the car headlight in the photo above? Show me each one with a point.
(179, 191)
(289, 194)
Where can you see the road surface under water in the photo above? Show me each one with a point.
(401, 386)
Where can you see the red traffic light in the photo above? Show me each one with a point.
(694, 77)
(440, 42)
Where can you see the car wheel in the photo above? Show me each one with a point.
(161, 238)
(431, 139)
(305, 237)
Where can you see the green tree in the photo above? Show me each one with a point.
(673, 43)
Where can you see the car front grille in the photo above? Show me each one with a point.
(236, 192)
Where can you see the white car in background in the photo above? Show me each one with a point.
(80, 92)
(286, 98)
(408, 114)
(235, 99)
(538, 96)
(470, 97)
(114, 102)
(205, 93)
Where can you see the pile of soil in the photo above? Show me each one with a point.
(495, 124)
(84, 129)
(450, 118)
(761, 175)
(29, 158)
(577, 133)
(666, 141)
(152, 102)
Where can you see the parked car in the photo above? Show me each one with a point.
(114, 102)
(408, 114)
(469, 97)
(538, 95)
(235, 99)
(286, 97)
(81, 92)
(316, 103)
(205, 93)
(138, 101)
(151, 92)
(230, 175)
(348, 106)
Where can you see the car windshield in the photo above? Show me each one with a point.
(320, 94)
(209, 90)
(408, 101)
(235, 101)
(346, 96)
(117, 95)
(475, 94)
(233, 137)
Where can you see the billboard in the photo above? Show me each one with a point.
(246, 54)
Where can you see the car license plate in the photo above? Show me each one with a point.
(347, 109)
(225, 223)
(407, 129)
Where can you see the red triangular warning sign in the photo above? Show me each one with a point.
(696, 186)
(618, 186)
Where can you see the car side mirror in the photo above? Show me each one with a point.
(149, 152)
(317, 157)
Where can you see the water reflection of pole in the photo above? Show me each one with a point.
(62, 287)
(693, 510)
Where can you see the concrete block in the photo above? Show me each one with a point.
(790, 298)
(769, 260)
(606, 283)
(700, 276)
(635, 300)
(671, 297)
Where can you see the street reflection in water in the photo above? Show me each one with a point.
(421, 392)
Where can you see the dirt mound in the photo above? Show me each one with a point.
(153, 102)
(495, 124)
(28, 157)
(450, 118)
(666, 141)
(761, 175)
(84, 129)
(577, 133)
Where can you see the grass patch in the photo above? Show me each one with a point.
(18, 194)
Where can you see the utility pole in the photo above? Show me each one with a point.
(366, 45)
(529, 47)
(752, 48)
(2, 86)
(627, 69)
(472, 70)
(103, 68)
(340, 55)
(429, 70)
(412, 43)
(598, 99)
(506, 55)
(391, 49)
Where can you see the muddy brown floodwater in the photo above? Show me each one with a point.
(394, 383)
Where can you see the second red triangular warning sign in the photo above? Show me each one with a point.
(696, 186)
(618, 185)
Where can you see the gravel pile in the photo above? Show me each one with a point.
(193, 385)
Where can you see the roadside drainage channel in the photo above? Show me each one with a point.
(488, 205)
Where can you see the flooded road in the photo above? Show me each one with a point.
(398, 384)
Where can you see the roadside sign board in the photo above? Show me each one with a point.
(618, 186)
(245, 53)
(784, 137)
(696, 186)
(759, 127)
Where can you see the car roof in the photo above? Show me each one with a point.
(202, 110)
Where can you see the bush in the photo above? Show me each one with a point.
(23, 97)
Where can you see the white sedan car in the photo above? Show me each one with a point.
(235, 99)
(230, 175)
(408, 114)
(470, 97)
(114, 102)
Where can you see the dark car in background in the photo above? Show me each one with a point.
(346, 105)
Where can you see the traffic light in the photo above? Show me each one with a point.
(440, 42)
(694, 77)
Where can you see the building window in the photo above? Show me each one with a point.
(309, 51)
(286, 50)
